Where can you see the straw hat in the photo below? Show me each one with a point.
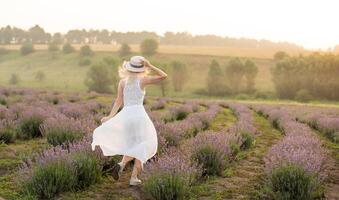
(135, 64)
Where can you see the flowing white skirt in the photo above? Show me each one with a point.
(130, 132)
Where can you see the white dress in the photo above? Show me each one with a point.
(130, 132)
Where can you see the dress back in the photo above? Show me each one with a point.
(133, 95)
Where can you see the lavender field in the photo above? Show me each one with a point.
(206, 149)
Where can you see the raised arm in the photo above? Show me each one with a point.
(160, 75)
(117, 103)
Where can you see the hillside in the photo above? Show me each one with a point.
(63, 72)
(263, 53)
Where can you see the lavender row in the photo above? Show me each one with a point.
(323, 120)
(299, 146)
(208, 153)
(244, 118)
(175, 131)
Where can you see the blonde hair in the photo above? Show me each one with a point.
(124, 73)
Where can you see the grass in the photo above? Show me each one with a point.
(11, 156)
(186, 50)
(225, 118)
(64, 74)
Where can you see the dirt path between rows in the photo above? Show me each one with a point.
(244, 178)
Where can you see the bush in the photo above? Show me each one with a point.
(86, 51)
(26, 49)
(64, 130)
(235, 149)
(171, 139)
(110, 61)
(67, 48)
(210, 159)
(3, 51)
(14, 79)
(149, 47)
(234, 73)
(166, 186)
(280, 55)
(177, 113)
(7, 135)
(84, 62)
(52, 47)
(331, 134)
(99, 78)
(3, 101)
(215, 79)
(124, 50)
(49, 180)
(179, 75)
(30, 127)
(62, 136)
(335, 137)
(316, 73)
(87, 170)
(292, 182)
(303, 96)
(247, 140)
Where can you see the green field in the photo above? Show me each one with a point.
(63, 72)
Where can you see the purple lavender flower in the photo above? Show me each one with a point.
(173, 162)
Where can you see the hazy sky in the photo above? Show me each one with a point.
(311, 23)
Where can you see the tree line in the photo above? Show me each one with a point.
(238, 76)
(37, 35)
(307, 77)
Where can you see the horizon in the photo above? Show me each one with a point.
(266, 20)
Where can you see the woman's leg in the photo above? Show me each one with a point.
(126, 159)
(136, 168)
(118, 168)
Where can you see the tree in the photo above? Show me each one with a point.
(86, 51)
(67, 48)
(57, 38)
(215, 82)
(104, 37)
(38, 35)
(280, 55)
(6, 35)
(179, 75)
(14, 79)
(40, 76)
(99, 78)
(149, 47)
(234, 74)
(26, 49)
(124, 50)
(52, 47)
(251, 71)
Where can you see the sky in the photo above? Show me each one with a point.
(312, 24)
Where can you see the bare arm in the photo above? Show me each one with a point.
(160, 75)
(117, 103)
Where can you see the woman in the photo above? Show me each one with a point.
(130, 132)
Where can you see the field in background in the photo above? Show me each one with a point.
(187, 50)
(63, 72)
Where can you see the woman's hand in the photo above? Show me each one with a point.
(104, 119)
(147, 63)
